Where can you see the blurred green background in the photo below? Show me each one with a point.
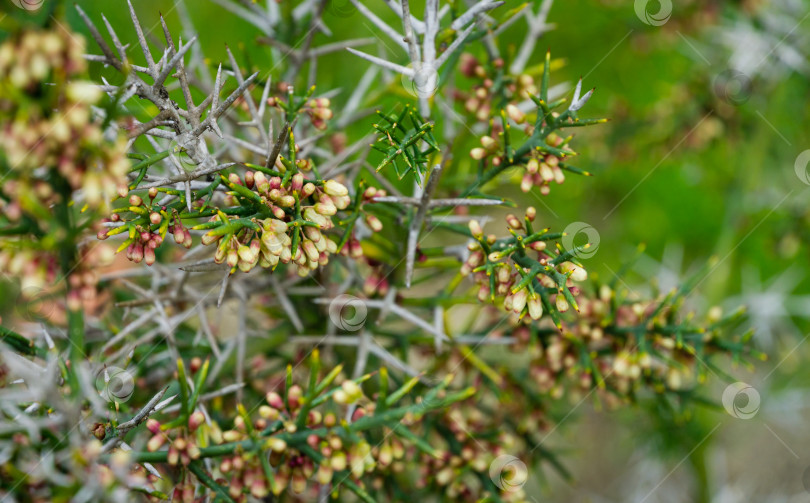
(709, 113)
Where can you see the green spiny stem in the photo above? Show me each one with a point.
(197, 469)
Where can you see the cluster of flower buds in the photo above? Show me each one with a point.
(479, 100)
(54, 129)
(183, 448)
(293, 469)
(319, 112)
(376, 280)
(542, 170)
(145, 241)
(29, 60)
(604, 356)
(274, 240)
(145, 238)
(353, 248)
(497, 275)
(317, 109)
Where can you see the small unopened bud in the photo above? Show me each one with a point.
(325, 473)
(335, 188)
(478, 153)
(276, 444)
(268, 412)
(488, 142)
(274, 400)
(153, 425)
(325, 209)
(562, 304)
(374, 223)
(519, 300)
(135, 200)
(297, 182)
(526, 183)
(515, 114)
(476, 230)
(155, 443)
(195, 420)
(99, 431)
(352, 389)
(535, 306)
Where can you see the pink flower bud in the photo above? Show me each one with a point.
(297, 182)
(149, 255)
(260, 182)
(374, 223)
(137, 253)
(274, 400)
(153, 425)
(195, 420)
(155, 443)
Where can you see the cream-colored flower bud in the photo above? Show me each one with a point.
(476, 230)
(335, 188)
(535, 307)
(83, 92)
(515, 114)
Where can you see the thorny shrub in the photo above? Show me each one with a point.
(187, 374)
